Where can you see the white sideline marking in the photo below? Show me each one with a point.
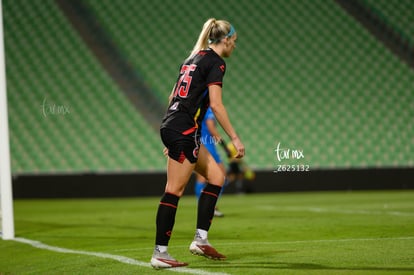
(294, 242)
(118, 258)
(320, 241)
(364, 212)
(339, 211)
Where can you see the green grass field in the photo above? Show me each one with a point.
(281, 233)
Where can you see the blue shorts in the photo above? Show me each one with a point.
(211, 147)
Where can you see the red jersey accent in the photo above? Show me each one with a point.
(215, 83)
(189, 131)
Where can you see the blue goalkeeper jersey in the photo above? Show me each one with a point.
(206, 137)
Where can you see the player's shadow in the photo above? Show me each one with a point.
(269, 265)
(223, 265)
(313, 266)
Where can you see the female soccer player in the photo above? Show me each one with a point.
(199, 85)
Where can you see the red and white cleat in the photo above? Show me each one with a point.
(203, 248)
(164, 260)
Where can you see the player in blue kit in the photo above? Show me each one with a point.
(210, 137)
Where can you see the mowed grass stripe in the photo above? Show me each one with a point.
(279, 233)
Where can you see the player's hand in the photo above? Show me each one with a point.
(225, 148)
(239, 147)
(165, 151)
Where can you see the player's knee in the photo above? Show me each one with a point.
(175, 190)
(217, 178)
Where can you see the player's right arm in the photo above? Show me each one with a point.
(171, 95)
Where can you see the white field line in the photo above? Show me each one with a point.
(293, 242)
(363, 212)
(118, 258)
(339, 211)
(319, 241)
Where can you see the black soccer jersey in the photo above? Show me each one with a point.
(191, 100)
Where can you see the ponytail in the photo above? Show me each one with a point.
(213, 32)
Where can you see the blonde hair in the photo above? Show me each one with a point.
(213, 32)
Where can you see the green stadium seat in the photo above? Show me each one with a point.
(305, 74)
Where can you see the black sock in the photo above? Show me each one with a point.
(206, 205)
(166, 218)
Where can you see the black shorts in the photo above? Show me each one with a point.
(181, 147)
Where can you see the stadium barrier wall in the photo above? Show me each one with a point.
(152, 184)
